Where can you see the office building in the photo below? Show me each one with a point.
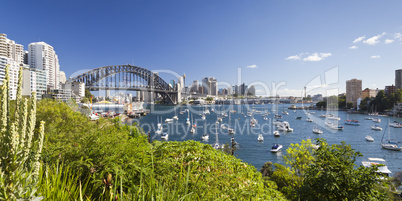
(43, 57)
(353, 91)
(243, 89)
(194, 87)
(210, 86)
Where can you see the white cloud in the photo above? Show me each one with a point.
(353, 47)
(373, 40)
(252, 66)
(317, 56)
(359, 39)
(388, 41)
(398, 36)
(375, 57)
(294, 57)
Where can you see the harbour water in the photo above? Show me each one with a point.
(257, 153)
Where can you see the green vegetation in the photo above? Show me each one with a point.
(381, 102)
(327, 173)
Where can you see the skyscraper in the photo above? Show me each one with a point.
(398, 79)
(43, 57)
(353, 91)
(210, 86)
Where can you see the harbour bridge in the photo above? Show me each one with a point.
(127, 78)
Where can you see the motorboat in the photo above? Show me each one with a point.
(333, 117)
(369, 138)
(203, 117)
(292, 107)
(376, 128)
(231, 131)
(284, 126)
(260, 138)
(333, 126)
(377, 120)
(276, 134)
(309, 120)
(165, 136)
(368, 118)
(317, 131)
(276, 148)
(205, 137)
(192, 130)
(285, 113)
(167, 120)
(352, 122)
(93, 117)
(396, 124)
(382, 167)
(175, 118)
(188, 121)
(299, 118)
(323, 116)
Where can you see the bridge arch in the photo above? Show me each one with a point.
(125, 77)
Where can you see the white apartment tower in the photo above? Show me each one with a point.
(10, 49)
(43, 57)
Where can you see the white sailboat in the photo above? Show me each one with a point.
(159, 126)
(175, 116)
(188, 119)
(205, 136)
(260, 138)
(192, 130)
(388, 144)
(230, 129)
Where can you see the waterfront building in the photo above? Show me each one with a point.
(369, 93)
(11, 50)
(353, 91)
(43, 57)
(398, 79)
(389, 89)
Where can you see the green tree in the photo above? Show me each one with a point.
(333, 176)
(349, 105)
(321, 104)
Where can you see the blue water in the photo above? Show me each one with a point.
(257, 153)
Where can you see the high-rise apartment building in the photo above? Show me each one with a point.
(398, 79)
(11, 50)
(13, 71)
(43, 57)
(353, 91)
(389, 89)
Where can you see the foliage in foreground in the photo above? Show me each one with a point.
(20, 150)
(119, 162)
(327, 173)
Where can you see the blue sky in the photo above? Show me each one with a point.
(289, 41)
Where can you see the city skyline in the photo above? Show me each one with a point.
(270, 41)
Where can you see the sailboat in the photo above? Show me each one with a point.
(216, 145)
(192, 130)
(188, 119)
(205, 136)
(388, 144)
(260, 138)
(175, 115)
(159, 127)
(230, 129)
